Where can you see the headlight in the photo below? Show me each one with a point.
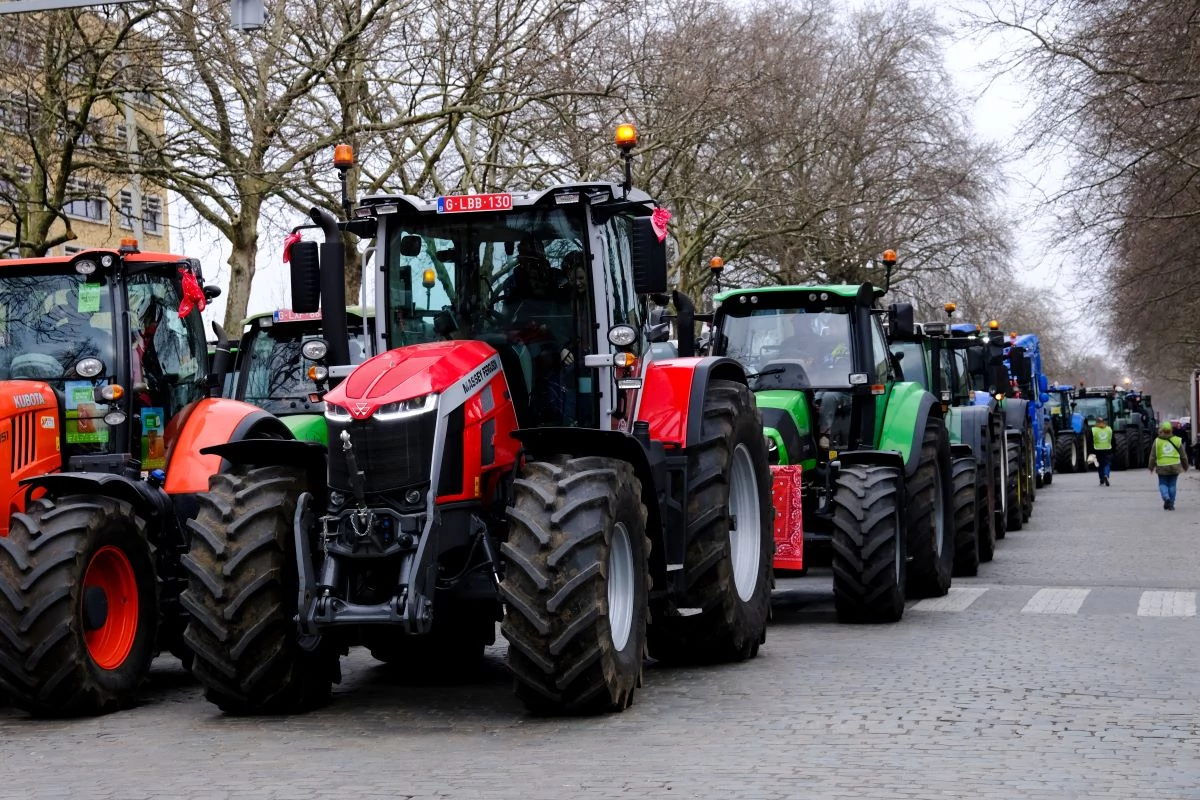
(314, 349)
(85, 266)
(89, 367)
(111, 393)
(336, 412)
(114, 417)
(407, 408)
(622, 335)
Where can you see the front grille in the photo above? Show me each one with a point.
(24, 440)
(390, 454)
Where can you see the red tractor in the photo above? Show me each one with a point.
(510, 455)
(104, 407)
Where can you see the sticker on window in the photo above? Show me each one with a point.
(89, 299)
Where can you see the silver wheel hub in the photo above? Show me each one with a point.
(745, 530)
(622, 586)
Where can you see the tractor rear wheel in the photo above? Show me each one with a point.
(966, 520)
(242, 594)
(576, 585)
(1014, 485)
(868, 545)
(1120, 451)
(1066, 454)
(730, 538)
(930, 536)
(78, 606)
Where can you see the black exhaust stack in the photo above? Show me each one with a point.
(333, 288)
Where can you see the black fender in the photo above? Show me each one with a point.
(164, 519)
(650, 461)
(275, 453)
(974, 430)
(1016, 413)
(961, 451)
(707, 370)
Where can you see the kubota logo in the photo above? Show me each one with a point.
(28, 399)
(360, 410)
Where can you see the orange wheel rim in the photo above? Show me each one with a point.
(109, 571)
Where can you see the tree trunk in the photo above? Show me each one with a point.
(241, 266)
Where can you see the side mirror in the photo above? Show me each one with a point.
(900, 321)
(212, 291)
(1043, 384)
(649, 258)
(305, 261)
(976, 363)
(410, 246)
(999, 379)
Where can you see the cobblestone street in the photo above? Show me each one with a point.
(1068, 668)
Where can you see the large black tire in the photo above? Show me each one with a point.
(728, 568)
(985, 513)
(966, 521)
(1048, 448)
(1015, 518)
(999, 481)
(868, 545)
(577, 534)
(242, 595)
(1028, 485)
(1066, 453)
(928, 524)
(1120, 451)
(76, 578)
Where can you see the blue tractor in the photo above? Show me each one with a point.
(1070, 446)
(1025, 367)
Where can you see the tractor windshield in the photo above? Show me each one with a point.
(276, 372)
(1093, 407)
(51, 320)
(818, 338)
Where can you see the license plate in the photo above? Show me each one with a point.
(458, 203)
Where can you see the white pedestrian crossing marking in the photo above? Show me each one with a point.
(956, 600)
(1167, 604)
(1056, 601)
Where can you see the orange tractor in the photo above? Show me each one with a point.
(106, 398)
(512, 454)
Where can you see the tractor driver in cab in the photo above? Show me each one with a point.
(819, 341)
(538, 312)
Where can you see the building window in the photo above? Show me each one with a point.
(9, 191)
(85, 201)
(12, 112)
(152, 213)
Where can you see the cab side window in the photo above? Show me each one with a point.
(879, 351)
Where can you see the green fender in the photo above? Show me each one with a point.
(908, 408)
(308, 428)
(786, 423)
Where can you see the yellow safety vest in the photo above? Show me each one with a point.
(1166, 451)
(1102, 438)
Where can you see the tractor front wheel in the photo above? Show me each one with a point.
(928, 530)
(1066, 454)
(242, 594)
(966, 520)
(1120, 451)
(79, 616)
(730, 538)
(576, 585)
(868, 545)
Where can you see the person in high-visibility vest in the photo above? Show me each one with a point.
(1168, 459)
(1102, 437)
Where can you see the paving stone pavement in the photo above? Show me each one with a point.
(970, 696)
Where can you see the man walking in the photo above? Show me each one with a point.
(1102, 437)
(1169, 460)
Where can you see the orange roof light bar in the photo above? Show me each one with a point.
(343, 156)
(626, 136)
(128, 245)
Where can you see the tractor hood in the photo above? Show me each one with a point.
(20, 396)
(409, 373)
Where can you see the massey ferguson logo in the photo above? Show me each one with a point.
(28, 400)
(360, 410)
(477, 377)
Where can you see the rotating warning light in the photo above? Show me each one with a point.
(993, 325)
(343, 156)
(889, 258)
(128, 246)
(428, 278)
(950, 307)
(716, 264)
(626, 136)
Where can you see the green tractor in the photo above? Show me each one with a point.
(873, 449)
(276, 373)
(948, 363)
(1108, 402)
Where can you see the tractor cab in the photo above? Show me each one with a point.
(275, 371)
(107, 338)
